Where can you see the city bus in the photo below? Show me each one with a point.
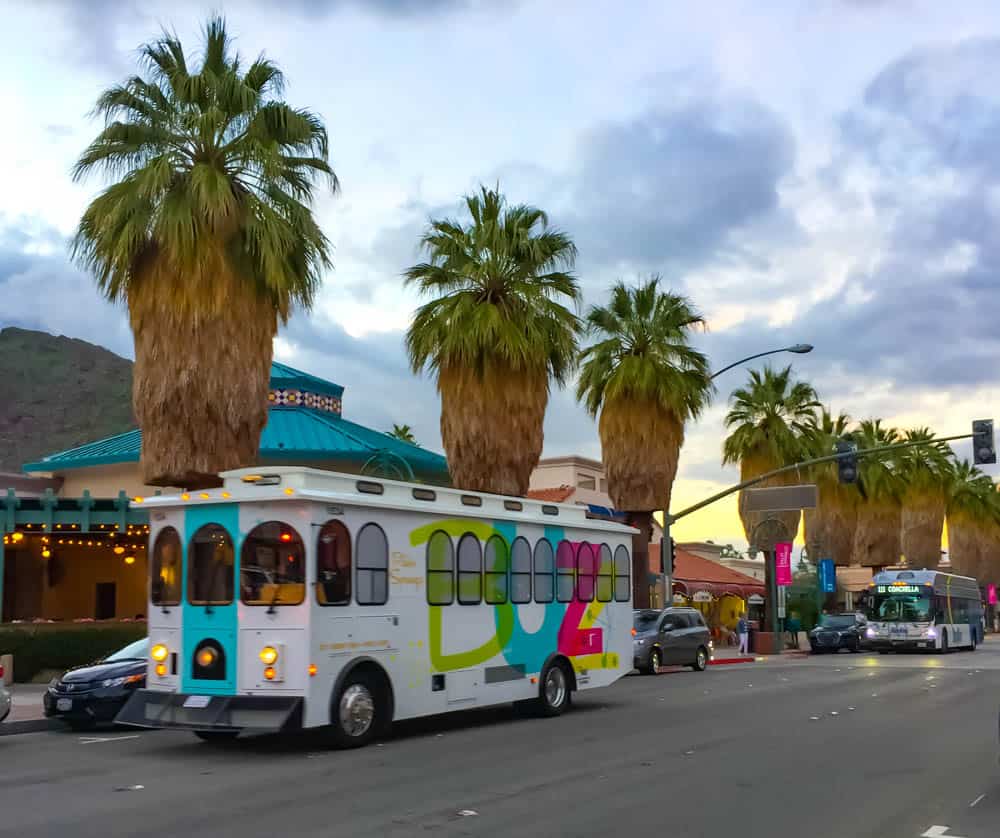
(298, 598)
(923, 609)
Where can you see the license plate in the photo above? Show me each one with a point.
(197, 701)
(64, 704)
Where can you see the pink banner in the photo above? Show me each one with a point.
(991, 594)
(783, 563)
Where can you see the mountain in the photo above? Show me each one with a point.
(56, 393)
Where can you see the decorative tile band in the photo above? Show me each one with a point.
(303, 398)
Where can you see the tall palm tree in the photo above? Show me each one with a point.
(877, 535)
(404, 433)
(495, 334)
(968, 508)
(646, 381)
(770, 421)
(925, 471)
(206, 235)
(829, 528)
(988, 538)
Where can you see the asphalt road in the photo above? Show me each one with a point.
(848, 746)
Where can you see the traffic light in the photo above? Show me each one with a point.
(847, 467)
(673, 555)
(983, 448)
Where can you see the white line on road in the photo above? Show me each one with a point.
(974, 802)
(938, 832)
(92, 740)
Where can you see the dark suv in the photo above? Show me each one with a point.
(670, 636)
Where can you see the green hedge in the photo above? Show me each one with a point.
(40, 646)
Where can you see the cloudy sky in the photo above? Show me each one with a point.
(827, 171)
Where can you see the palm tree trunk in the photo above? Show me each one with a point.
(829, 528)
(922, 526)
(642, 521)
(876, 538)
(491, 427)
(201, 379)
(963, 545)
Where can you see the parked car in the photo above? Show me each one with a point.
(4, 697)
(670, 636)
(90, 695)
(836, 632)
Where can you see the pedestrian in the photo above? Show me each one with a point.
(742, 629)
(793, 626)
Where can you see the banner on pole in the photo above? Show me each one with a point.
(827, 576)
(783, 563)
(991, 594)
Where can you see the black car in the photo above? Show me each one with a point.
(836, 632)
(91, 695)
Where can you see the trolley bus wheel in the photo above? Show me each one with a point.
(554, 689)
(358, 711)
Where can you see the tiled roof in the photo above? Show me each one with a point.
(559, 494)
(691, 568)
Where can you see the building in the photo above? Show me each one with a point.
(725, 555)
(574, 479)
(74, 545)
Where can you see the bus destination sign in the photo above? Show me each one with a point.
(899, 589)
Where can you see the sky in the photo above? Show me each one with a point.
(823, 171)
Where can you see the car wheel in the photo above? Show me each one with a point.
(554, 689)
(700, 659)
(216, 735)
(653, 667)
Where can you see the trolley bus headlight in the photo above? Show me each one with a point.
(206, 657)
(268, 655)
(159, 653)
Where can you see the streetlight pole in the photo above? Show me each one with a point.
(798, 349)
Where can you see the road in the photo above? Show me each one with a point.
(848, 746)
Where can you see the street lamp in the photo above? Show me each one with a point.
(798, 349)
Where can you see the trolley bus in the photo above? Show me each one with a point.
(299, 598)
(923, 609)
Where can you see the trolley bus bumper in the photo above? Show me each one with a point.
(249, 713)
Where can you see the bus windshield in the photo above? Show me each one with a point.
(901, 608)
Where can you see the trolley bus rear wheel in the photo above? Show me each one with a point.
(358, 711)
(554, 686)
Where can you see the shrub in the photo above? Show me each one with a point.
(40, 646)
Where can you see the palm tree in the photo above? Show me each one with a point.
(771, 419)
(970, 498)
(404, 433)
(829, 528)
(925, 471)
(877, 535)
(645, 380)
(988, 537)
(495, 334)
(206, 235)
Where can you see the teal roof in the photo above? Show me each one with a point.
(292, 433)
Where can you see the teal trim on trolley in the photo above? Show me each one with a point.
(218, 622)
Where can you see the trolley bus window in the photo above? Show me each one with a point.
(586, 572)
(440, 569)
(210, 567)
(605, 575)
(373, 566)
(544, 562)
(333, 565)
(495, 581)
(623, 574)
(273, 566)
(520, 571)
(470, 571)
(565, 571)
(165, 569)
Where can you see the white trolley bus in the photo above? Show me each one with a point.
(300, 598)
(923, 609)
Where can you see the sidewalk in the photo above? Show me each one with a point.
(26, 713)
(722, 655)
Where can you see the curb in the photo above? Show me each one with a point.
(29, 726)
(727, 661)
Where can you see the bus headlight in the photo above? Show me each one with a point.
(159, 653)
(268, 655)
(932, 632)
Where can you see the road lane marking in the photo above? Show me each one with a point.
(93, 740)
(938, 832)
(974, 802)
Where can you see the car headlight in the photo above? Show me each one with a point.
(870, 631)
(121, 682)
(640, 641)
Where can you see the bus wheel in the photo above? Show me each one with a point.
(554, 690)
(944, 642)
(972, 647)
(356, 712)
(216, 735)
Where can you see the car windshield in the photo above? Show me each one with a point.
(133, 652)
(837, 621)
(645, 620)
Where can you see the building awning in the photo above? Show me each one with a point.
(694, 575)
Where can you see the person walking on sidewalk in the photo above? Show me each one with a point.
(742, 629)
(793, 626)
